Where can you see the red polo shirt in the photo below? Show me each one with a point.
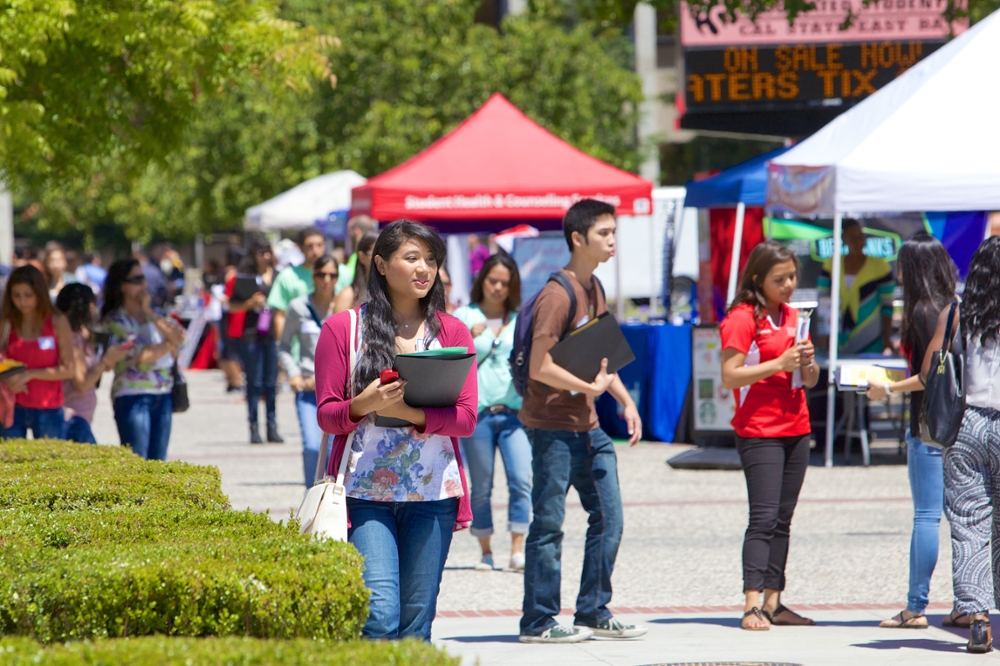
(769, 408)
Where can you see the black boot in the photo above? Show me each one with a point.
(980, 636)
(255, 434)
(272, 434)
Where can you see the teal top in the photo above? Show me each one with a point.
(496, 386)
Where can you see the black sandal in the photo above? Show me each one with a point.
(981, 638)
(957, 620)
(795, 620)
(760, 616)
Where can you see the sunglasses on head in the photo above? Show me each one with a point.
(135, 279)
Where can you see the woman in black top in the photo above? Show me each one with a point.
(260, 349)
(927, 274)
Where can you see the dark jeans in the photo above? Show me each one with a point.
(260, 363)
(42, 423)
(144, 422)
(78, 430)
(587, 462)
(774, 469)
(405, 545)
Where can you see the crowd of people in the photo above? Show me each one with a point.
(334, 324)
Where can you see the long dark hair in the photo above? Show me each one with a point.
(514, 290)
(256, 245)
(981, 299)
(762, 259)
(928, 275)
(35, 279)
(379, 327)
(360, 283)
(74, 301)
(117, 274)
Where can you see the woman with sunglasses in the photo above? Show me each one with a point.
(304, 321)
(356, 293)
(250, 320)
(40, 338)
(141, 390)
(496, 296)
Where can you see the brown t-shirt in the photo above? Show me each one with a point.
(544, 407)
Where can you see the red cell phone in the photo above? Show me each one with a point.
(128, 344)
(388, 376)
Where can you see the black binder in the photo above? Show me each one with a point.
(582, 350)
(434, 379)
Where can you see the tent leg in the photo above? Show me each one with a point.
(831, 399)
(734, 266)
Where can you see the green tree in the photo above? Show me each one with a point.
(408, 72)
(89, 79)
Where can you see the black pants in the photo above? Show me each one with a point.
(774, 469)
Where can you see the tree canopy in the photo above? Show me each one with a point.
(92, 79)
(407, 72)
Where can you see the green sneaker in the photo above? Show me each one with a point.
(612, 628)
(559, 634)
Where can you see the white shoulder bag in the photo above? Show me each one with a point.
(324, 509)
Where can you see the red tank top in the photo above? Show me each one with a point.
(42, 352)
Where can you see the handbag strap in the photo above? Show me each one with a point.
(948, 338)
(327, 441)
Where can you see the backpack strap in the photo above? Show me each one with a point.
(561, 278)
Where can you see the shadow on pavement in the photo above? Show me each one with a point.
(732, 622)
(502, 638)
(914, 644)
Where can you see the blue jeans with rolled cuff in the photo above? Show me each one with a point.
(586, 461)
(405, 546)
(501, 430)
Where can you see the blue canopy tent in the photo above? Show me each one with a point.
(742, 185)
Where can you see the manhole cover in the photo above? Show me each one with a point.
(729, 663)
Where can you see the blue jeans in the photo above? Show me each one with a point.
(405, 545)
(44, 423)
(312, 436)
(143, 422)
(924, 464)
(505, 432)
(78, 430)
(586, 461)
(260, 363)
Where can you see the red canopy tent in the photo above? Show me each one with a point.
(498, 165)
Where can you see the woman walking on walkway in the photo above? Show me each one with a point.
(769, 370)
(406, 490)
(34, 334)
(79, 304)
(496, 296)
(251, 320)
(141, 390)
(304, 321)
(928, 277)
(972, 464)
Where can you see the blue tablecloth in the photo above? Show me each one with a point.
(658, 381)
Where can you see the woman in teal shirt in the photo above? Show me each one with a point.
(496, 295)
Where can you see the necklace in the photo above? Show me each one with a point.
(407, 325)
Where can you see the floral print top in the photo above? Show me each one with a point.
(132, 378)
(401, 464)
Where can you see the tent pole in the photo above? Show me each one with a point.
(619, 301)
(831, 389)
(734, 266)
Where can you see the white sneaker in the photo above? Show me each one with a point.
(517, 562)
(559, 634)
(485, 564)
(612, 628)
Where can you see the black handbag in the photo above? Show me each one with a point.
(944, 393)
(179, 392)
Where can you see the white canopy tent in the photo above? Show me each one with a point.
(928, 141)
(320, 201)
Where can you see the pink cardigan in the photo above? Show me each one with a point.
(333, 400)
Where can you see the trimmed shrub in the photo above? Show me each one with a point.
(106, 545)
(159, 651)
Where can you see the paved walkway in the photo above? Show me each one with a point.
(678, 570)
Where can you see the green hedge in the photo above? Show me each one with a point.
(158, 651)
(97, 543)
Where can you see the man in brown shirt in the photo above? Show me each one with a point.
(570, 449)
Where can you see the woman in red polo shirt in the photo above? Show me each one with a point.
(768, 371)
